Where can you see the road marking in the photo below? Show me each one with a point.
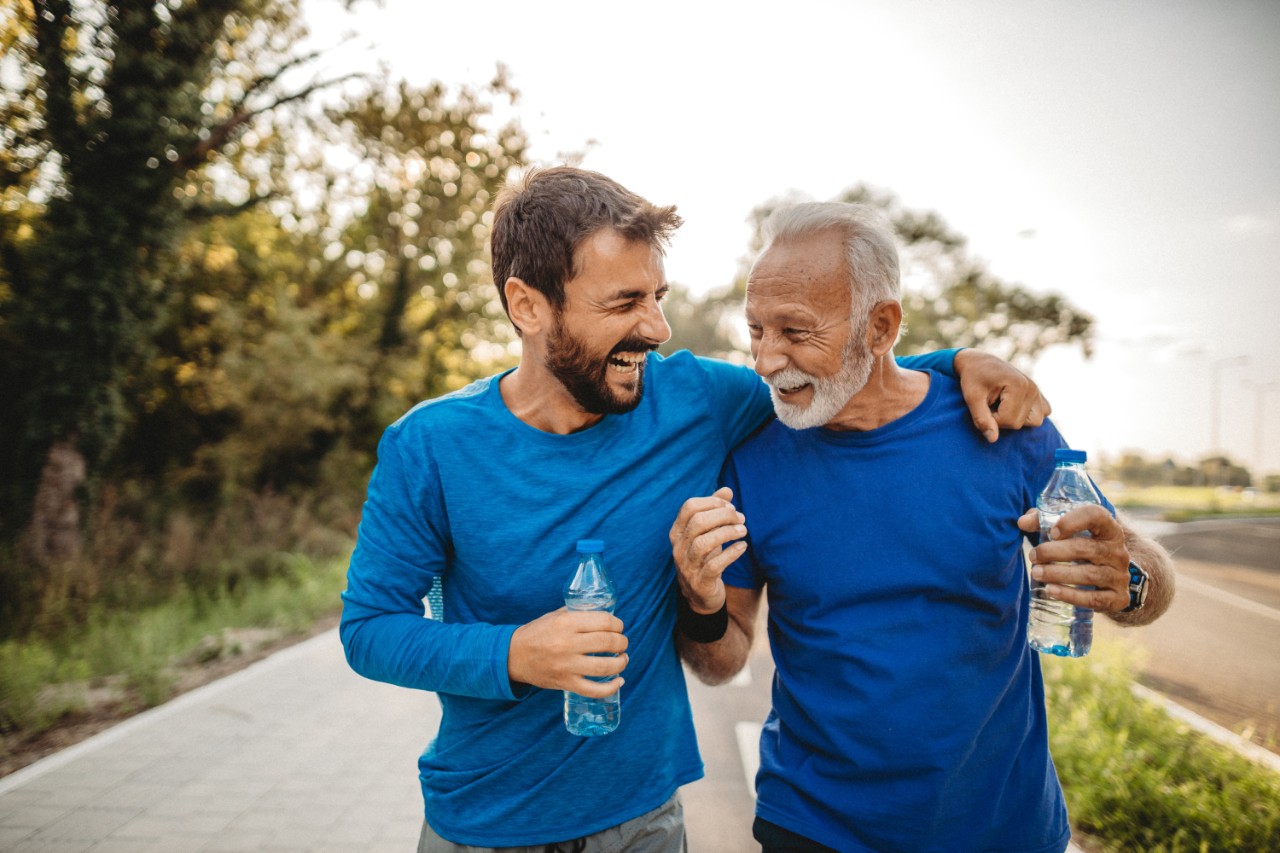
(1210, 591)
(748, 735)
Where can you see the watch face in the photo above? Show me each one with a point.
(1137, 586)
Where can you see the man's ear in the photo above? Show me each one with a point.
(529, 310)
(883, 326)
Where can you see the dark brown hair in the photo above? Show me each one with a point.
(539, 222)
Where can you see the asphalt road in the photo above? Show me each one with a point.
(1217, 650)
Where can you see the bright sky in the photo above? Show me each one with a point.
(1126, 154)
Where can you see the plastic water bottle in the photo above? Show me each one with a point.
(1056, 627)
(591, 589)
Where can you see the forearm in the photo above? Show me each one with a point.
(1156, 562)
(410, 650)
(717, 662)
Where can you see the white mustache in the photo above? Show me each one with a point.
(790, 377)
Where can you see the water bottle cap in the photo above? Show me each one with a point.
(1066, 454)
(590, 546)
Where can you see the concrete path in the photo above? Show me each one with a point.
(296, 752)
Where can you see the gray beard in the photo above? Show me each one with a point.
(829, 395)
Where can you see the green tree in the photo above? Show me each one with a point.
(950, 298)
(334, 308)
(115, 117)
(413, 259)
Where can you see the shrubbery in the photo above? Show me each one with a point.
(1136, 779)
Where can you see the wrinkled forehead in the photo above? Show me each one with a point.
(798, 277)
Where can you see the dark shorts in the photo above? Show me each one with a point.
(775, 839)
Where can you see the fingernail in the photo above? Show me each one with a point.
(1037, 572)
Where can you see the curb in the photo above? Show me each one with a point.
(1210, 729)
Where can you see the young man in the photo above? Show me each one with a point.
(488, 490)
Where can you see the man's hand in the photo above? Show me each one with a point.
(560, 649)
(1069, 561)
(998, 394)
(701, 530)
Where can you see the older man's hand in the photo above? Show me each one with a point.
(1068, 561)
(698, 538)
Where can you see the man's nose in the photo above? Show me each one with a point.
(653, 324)
(770, 355)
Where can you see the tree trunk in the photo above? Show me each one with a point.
(54, 535)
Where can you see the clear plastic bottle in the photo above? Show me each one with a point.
(591, 589)
(1055, 627)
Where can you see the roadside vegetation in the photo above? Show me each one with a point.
(1188, 503)
(1138, 780)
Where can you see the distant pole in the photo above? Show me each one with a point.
(1260, 390)
(1215, 394)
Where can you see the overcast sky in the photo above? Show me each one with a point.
(1126, 154)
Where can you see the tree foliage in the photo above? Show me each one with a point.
(216, 288)
(113, 113)
(337, 309)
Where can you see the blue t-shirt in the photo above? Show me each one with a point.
(908, 711)
(466, 492)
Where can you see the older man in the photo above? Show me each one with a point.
(908, 710)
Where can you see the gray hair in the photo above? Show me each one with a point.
(870, 248)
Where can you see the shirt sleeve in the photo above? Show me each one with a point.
(739, 398)
(943, 361)
(401, 548)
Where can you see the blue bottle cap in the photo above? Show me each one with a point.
(590, 546)
(1066, 454)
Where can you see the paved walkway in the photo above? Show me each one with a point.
(296, 752)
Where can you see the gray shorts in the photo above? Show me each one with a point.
(658, 831)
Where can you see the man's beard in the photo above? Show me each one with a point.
(829, 395)
(586, 378)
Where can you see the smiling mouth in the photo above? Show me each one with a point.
(624, 362)
(787, 392)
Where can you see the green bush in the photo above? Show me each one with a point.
(1136, 779)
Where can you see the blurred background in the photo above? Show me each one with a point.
(240, 237)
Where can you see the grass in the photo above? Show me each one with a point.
(1185, 503)
(135, 658)
(1136, 779)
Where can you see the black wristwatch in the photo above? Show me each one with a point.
(1137, 587)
